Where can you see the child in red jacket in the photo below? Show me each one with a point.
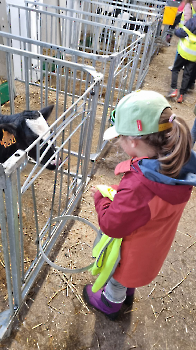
(150, 198)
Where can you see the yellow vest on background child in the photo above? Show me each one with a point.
(187, 45)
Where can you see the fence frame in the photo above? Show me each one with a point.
(114, 60)
(18, 282)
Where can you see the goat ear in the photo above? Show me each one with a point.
(11, 128)
(46, 111)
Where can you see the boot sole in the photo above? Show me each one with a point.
(112, 316)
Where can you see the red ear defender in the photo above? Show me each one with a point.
(139, 125)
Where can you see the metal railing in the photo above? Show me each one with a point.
(121, 55)
(117, 60)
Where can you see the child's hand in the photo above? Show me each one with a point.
(93, 191)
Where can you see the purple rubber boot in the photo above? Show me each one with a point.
(130, 296)
(99, 302)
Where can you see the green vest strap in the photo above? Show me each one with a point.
(106, 251)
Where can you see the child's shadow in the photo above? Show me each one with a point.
(113, 334)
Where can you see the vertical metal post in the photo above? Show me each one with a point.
(10, 81)
(13, 231)
(26, 66)
(20, 223)
(36, 218)
(107, 99)
(4, 239)
(142, 66)
(90, 132)
(46, 80)
(135, 64)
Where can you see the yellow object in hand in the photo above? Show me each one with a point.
(107, 191)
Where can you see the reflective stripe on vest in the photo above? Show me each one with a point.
(187, 46)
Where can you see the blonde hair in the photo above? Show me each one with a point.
(172, 146)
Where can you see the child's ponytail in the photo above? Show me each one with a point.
(173, 146)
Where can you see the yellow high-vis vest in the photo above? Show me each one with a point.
(187, 45)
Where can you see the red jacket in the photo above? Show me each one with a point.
(146, 215)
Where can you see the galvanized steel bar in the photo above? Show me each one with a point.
(107, 101)
(4, 238)
(20, 224)
(10, 81)
(12, 222)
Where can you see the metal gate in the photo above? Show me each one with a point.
(26, 211)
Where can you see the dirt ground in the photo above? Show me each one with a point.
(163, 314)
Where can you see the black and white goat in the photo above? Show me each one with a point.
(19, 131)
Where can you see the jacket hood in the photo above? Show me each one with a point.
(150, 169)
(165, 186)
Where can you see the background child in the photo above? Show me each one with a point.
(186, 10)
(186, 58)
(150, 198)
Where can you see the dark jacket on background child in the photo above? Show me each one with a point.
(190, 24)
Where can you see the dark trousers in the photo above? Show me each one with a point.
(188, 69)
(193, 76)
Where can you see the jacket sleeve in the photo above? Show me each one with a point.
(190, 24)
(180, 33)
(128, 211)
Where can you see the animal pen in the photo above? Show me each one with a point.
(85, 75)
(121, 55)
